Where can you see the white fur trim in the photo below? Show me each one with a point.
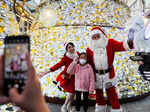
(116, 110)
(102, 80)
(100, 108)
(95, 32)
(66, 43)
(79, 89)
(100, 59)
(72, 56)
(126, 46)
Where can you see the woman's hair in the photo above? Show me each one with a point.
(70, 43)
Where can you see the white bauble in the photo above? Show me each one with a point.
(47, 17)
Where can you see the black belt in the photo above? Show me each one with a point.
(104, 71)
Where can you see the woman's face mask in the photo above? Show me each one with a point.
(82, 61)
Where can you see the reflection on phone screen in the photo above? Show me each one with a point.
(15, 70)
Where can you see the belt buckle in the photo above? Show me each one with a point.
(99, 72)
(104, 72)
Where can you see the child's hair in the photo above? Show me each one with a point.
(70, 43)
(83, 53)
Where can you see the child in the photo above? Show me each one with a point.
(84, 80)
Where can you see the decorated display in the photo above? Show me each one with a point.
(71, 20)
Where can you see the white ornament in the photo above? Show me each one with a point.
(47, 17)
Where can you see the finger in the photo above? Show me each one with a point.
(31, 70)
(15, 97)
(4, 99)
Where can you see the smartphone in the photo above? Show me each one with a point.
(15, 65)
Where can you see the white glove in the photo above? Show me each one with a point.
(131, 34)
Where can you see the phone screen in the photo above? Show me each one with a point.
(15, 64)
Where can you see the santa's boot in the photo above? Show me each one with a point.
(116, 110)
(100, 108)
(64, 108)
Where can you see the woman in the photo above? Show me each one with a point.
(66, 81)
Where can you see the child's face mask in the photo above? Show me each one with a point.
(82, 61)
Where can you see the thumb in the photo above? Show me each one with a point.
(15, 97)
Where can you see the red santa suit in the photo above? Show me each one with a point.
(101, 57)
(66, 81)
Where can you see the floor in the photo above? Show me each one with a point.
(137, 106)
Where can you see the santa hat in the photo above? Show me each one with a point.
(98, 30)
(67, 42)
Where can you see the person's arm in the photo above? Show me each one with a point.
(50, 70)
(72, 67)
(92, 80)
(55, 67)
(121, 46)
(58, 65)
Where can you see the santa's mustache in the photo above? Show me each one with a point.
(100, 43)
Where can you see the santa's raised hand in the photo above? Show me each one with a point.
(131, 34)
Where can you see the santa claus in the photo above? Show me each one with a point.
(101, 56)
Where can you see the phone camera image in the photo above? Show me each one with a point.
(15, 64)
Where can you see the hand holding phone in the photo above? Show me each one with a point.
(30, 99)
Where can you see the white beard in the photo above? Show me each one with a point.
(100, 59)
(100, 53)
(100, 43)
